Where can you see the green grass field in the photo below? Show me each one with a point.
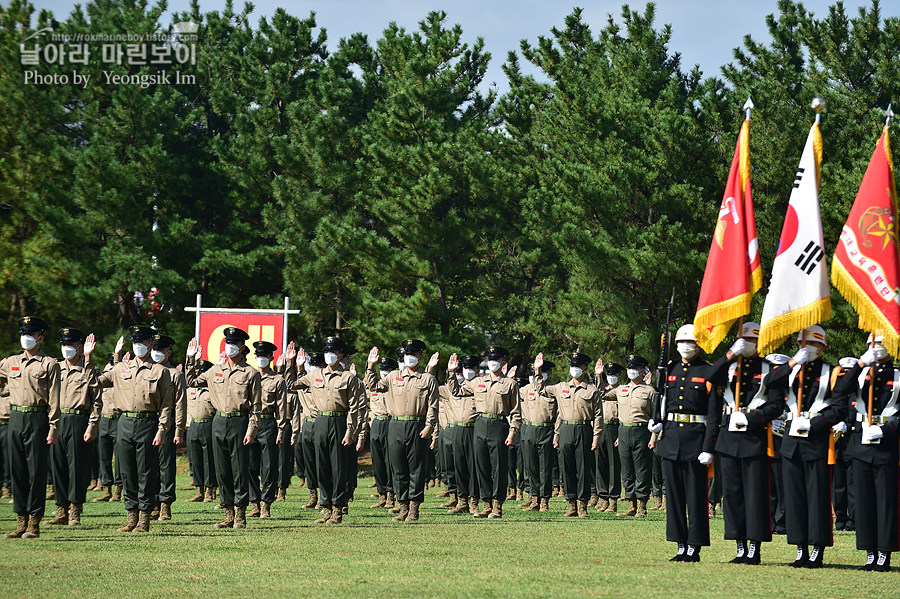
(534, 555)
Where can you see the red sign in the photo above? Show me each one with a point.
(260, 327)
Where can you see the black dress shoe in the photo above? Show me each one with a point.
(800, 563)
(813, 564)
(679, 557)
(867, 567)
(691, 558)
(882, 568)
(753, 561)
(839, 526)
(738, 560)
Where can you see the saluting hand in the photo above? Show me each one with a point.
(193, 344)
(120, 344)
(89, 344)
(452, 363)
(433, 361)
(352, 368)
(373, 356)
(538, 361)
(291, 351)
(512, 372)
(127, 356)
(598, 367)
(648, 375)
(301, 355)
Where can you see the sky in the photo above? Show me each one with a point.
(705, 32)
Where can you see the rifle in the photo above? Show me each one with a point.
(664, 343)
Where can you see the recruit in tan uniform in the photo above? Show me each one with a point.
(273, 421)
(234, 389)
(161, 353)
(32, 379)
(579, 424)
(609, 468)
(144, 392)
(539, 413)
(200, 442)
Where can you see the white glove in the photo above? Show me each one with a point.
(653, 427)
(705, 458)
(869, 357)
(840, 427)
(737, 347)
(802, 423)
(871, 433)
(881, 352)
(802, 356)
(739, 419)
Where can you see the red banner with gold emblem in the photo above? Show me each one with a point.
(260, 327)
(866, 265)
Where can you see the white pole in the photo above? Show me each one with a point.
(284, 336)
(197, 317)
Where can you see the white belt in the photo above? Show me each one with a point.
(685, 417)
(808, 415)
(876, 419)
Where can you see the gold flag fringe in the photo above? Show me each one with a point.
(870, 317)
(776, 330)
(719, 318)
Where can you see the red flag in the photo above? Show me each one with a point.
(733, 273)
(866, 265)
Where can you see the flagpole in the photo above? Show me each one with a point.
(748, 106)
(888, 115)
(872, 374)
(737, 387)
(802, 370)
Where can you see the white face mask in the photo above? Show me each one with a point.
(262, 361)
(687, 350)
(27, 341)
(633, 373)
(330, 358)
(749, 348)
(307, 366)
(139, 349)
(69, 352)
(544, 376)
(460, 378)
(611, 379)
(468, 374)
(494, 365)
(231, 350)
(158, 356)
(410, 361)
(576, 372)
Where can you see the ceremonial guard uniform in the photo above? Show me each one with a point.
(201, 452)
(873, 449)
(742, 446)
(235, 392)
(579, 424)
(609, 466)
(32, 380)
(688, 416)
(144, 392)
(496, 399)
(412, 401)
(78, 423)
(539, 414)
(804, 447)
(636, 401)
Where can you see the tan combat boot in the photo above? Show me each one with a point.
(313, 499)
(413, 511)
(582, 508)
(602, 504)
(345, 509)
(641, 508)
(95, 485)
(632, 508)
(143, 523)
(240, 517)
(511, 494)
(473, 505)
(545, 504)
(326, 515)
(612, 507)
(391, 504)
(403, 513)
(209, 495)
(75, 514)
(557, 491)
(444, 493)
(462, 506)
(337, 514)
(21, 527)
(657, 502)
(531, 506)
(573, 508)
(487, 510)
(382, 500)
(519, 494)
(452, 502)
(228, 520)
(663, 508)
(528, 501)
(62, 515)
(497, 511)
(254, 512)
(131, 520)
(198, 496)
(265, 510)
(712, 510)
(117, 494)
(107, 494)
(165, 511)
(302, 482)
(154, 515)
(7, 493)
(50, 494)
(281, 495)
(34, 528)
(594, 500)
